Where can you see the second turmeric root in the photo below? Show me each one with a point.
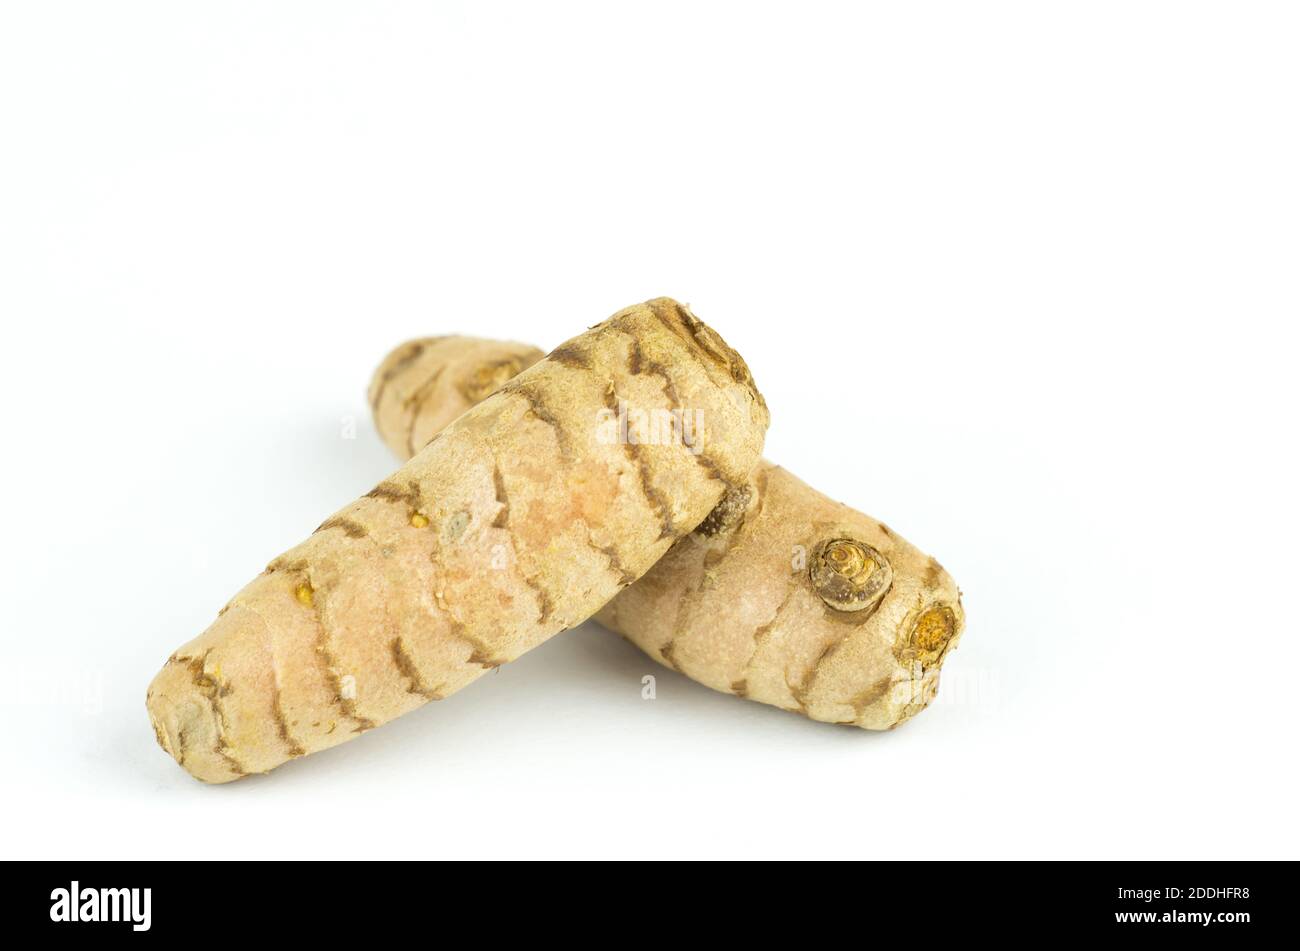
(781, 596)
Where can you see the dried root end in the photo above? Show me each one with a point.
(849, 575)
(933, 634)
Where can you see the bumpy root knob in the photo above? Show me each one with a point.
(849, 575)
(728, 513)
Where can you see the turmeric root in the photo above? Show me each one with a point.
(453, 374)
(515, 522)
(781, 595)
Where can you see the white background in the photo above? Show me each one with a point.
(1018, 278)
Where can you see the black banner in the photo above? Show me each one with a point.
(1223, 901)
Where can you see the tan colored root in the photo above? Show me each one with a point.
(518, 520)
(781, 595)
(425, 384)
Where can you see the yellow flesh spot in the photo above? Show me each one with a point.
(934, 628)
(419, 521)
(304, 594)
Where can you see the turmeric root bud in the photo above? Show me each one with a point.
(849, 575)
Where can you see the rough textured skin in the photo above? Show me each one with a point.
(518, 520)
(740, 611)
(760, 601)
